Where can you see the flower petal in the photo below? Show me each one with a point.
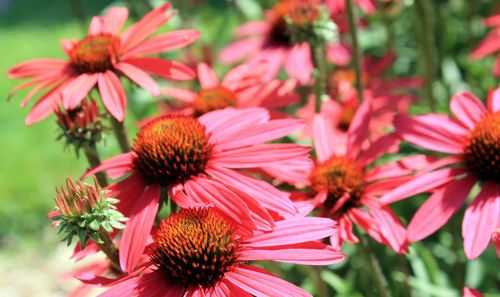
(139, 77)
(163, 43)
(113, 94)
(207, 77)
(163, 68)
(467, 108)
(77, 89)
(359, 129)
(324, 143)
(115, 167)
(114, 19)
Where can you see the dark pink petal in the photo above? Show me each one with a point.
(467, 108)
(115, 167)
(154, 284)
(261, 283)
(495, 238)
(433, 131)
(140, 77)
(260, 155)
(292, 231)
(346, 230)
(481, 219)
(367, 222)
(359, 129)
(114, 19)
(234, 291)
(163, 43)
(339, 54)
(122, 288)
(163, 68)
(113, 94)
(378, 148)
(309, 253)
(487, 46)
(439, 208)
(423, 183)
(207, 77)
(468, 292)
(127, 192)
(298, 63)
(324, 143)
(492, 21)
(138, 227)
(77, 89)
(405, 166)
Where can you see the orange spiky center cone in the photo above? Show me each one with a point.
(214, 99)
(338, 176)
(94, 53)
(195, 247)
(482, 149)
(171, 149)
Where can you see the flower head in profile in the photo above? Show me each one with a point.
(242, 87)
(100, 59)
(490, 45)
(195, 161)
(273, 40)
(471, 141)
(203, 252)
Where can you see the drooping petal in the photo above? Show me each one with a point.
(481, 219)
(467, 108)
(439, 208)
(261, 283)
(324, 143)
(38, 68)
(298, 63)
(113, 94)
(138, 227)
(154, 284)
(77, 89)
(140, 77)
(115, 167)
(163, 68)
(207, 77)
(378, 148)
(44, 106)
(359, 129)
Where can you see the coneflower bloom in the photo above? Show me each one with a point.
(100, 59)
(202, 252)
(472, 141)
(344, 183)
(194, 160)
(490, 44)
(242, 87)
(270, 41)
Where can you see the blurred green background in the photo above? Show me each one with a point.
(33, 163)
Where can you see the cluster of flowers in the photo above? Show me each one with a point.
(214, 158)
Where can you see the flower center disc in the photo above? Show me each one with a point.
(195, 246)
(213, 99)
(94, 53)
(339, 175)
(171, 149)
(482, 151)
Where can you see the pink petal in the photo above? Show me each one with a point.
(138, 227)
(179, 94)
(259, 155)
(367, 222)
(163, 43)
(467, 108)
(439, 208)
(77, 89)
(38, 68)
(115, 167)
(324, 143)
(44, 106)
(252, 28)
(139, 77)
(468, 292)
(239, 50)
(298, 63)
(207, 77)
(424, 183)
(274, 58)
(163, 68)
(127, 191)
(96, 25)
(261, 283)
(114, 19)
(294, 230)
(339, 54)
(359, 129)
(154, 284)
(310, 253)
(494, 100)
(481, 219)
(433, 131)
(378, 148)
(487, 46)
(122, 288)
(492, 21)
(113, 94)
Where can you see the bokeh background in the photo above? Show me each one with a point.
(33, 163)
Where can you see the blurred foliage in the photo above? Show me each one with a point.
(32, 164)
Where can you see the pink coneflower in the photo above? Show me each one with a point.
(343, 184)
(241, 88)
(194, 160)
(490, 44)
(100, 59)
(270, 41)
(472, 139)
(202, 252)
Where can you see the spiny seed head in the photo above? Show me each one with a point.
(339, 175)
(195, 246)
(95, 53)
(171, 149)
(214, 99)
(482, 150)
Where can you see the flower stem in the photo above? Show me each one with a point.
(318, 55)
(321, 289)
(380, 280)
(109, 248)
(90, 150)
(356, 50)
(121, 134)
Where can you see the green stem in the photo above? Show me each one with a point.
(318, 55)
(424, 25)
(356, 51)
(321, 289)
(386, 20)
(374, 265)
(90, 150)
(109, 248)
(121, 134)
